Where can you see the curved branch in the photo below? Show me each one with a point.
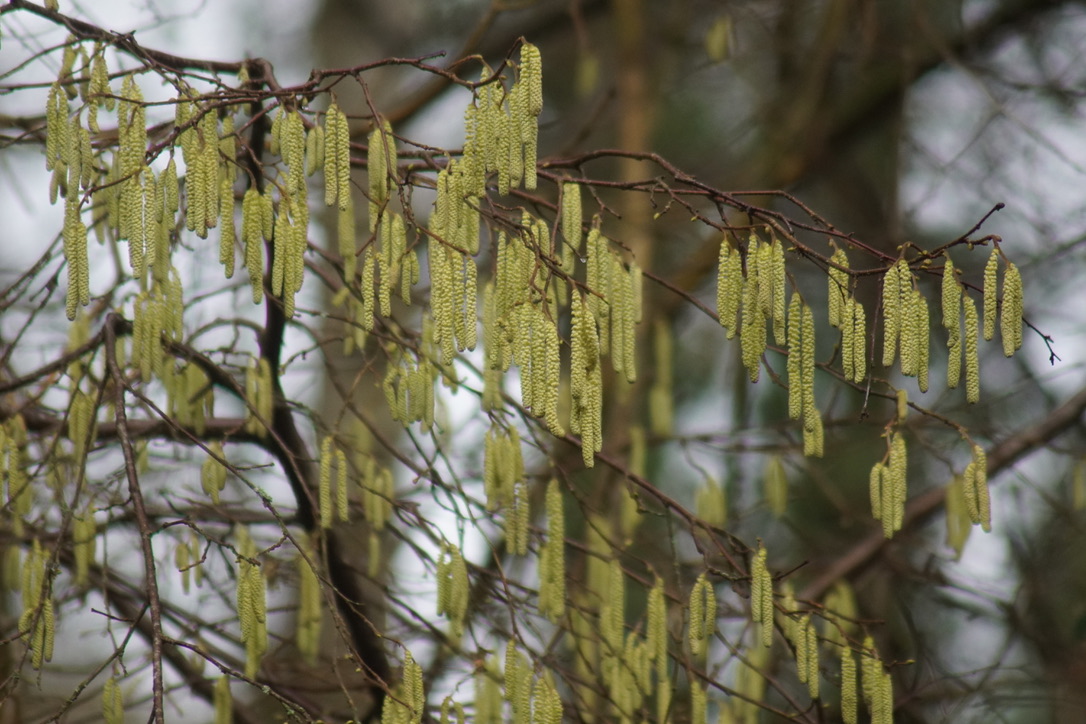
(158, 712)
(126, 42)
(924, 506)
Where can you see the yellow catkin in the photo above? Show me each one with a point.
(849, 714)
(712, 503)
(381, 167)
(586, 383)
(959, 521)
(972, 364)
(228, 150)
(656, 623)
(517, 519)
(213, 473)
(991, 293)
(368, 290)
(976, 487)
(412, 698)
(227, 233)
(777, 278)
(252, 611)
(1010, 315)
(451, 709)
(80, 421)
(795, 358)
(252, 233)
(345, 235)
(598, 280)
(314, 150)
(776, 486)
(99, 93)
(796, 631)
(571, 225)
(631, 315)
(325, 483)
(894, 486)
(525, 104)
(954, 364)
(729, 290)
(37, 624)
(764, 264)
(882, 698)
(467, 306)
(922, 340)
(807, 368)
(75, 251)
(343, 511)
(552, 584)
(84, 535)
(854, 356)
(753, 335)
(613, 611)
(909, 333)
(56, 128)
(494, 351)
(761, 596)
(838, 288)
(813, 673)
(409, 276)
(453, 588)
(337, 158)
(875, 489)
(442, 306)
(258, 393)
(222, 701)
(698, 703)
(488, 694)
(902, 404)
(892, 309)
(48, 625)
(547, 703)
(112, 702)
(444, 581)
(801, 367)
(702, 616)
(182, 558)
(951, 304)
(870, 670)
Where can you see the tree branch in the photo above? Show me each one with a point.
(126, 42)
(142, 520)
(924, 506)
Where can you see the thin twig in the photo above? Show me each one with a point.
(143, 522)
(923, 506)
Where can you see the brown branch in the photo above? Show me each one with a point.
(56, 365)
(924, 506)
(142, 520)
(126, 42)
(128, 608)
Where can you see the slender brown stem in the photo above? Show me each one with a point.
(143, 522)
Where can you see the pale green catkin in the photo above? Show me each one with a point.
(951, 304)
(729, 288)
(1010, 318)
(571, 225)
(838, 288)
(991, 293)
(972, 364)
